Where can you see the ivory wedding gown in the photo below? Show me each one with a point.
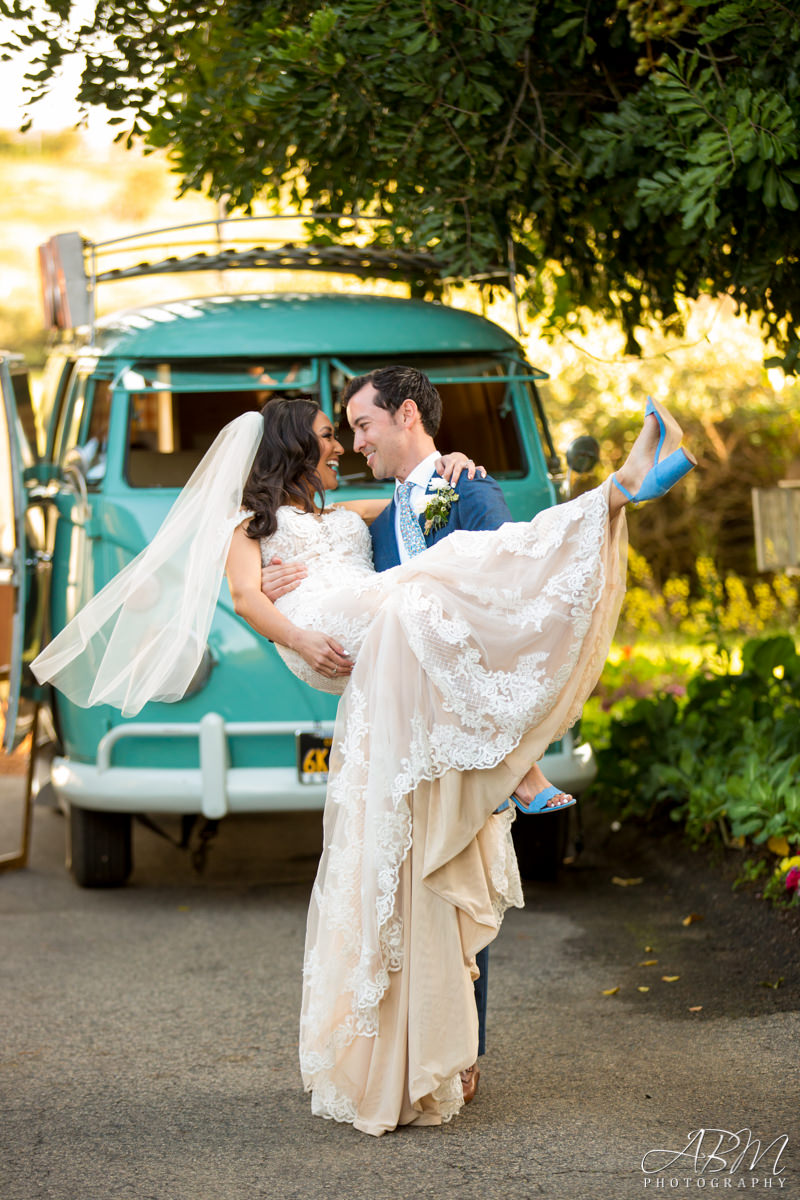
(469, 661)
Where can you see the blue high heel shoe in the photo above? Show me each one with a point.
(663, 474)
(539, 802)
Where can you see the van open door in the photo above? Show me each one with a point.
(21, 608)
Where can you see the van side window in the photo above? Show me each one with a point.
(96, 438)
(52, 392)
(70, 417)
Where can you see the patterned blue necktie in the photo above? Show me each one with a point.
(410, 531)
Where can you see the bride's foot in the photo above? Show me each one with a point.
(655, 463)
(529, 793)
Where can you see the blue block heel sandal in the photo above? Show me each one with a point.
(539, 802)
(666, 472)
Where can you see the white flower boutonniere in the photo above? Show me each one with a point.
(437, 510)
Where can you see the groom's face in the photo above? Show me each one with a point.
(380, 436)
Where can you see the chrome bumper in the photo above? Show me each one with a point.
(214, 789)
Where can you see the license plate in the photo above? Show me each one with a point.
(312, 757)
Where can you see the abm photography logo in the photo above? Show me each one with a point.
(718, 1159)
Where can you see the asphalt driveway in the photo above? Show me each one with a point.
(149, 1034)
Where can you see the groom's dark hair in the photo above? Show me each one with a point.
(396, 384)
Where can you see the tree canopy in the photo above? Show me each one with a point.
(631, 152)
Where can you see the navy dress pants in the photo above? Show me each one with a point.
(481, 989)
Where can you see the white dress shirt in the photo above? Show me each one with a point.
(421, 476)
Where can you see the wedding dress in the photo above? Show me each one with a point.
(469, 661)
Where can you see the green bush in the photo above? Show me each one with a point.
(723, 761)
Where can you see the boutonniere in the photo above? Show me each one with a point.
(437, 510)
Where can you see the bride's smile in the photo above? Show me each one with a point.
(330, 451)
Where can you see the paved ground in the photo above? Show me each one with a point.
(149, 1035)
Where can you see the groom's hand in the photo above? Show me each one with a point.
(278, 578)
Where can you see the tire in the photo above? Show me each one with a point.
(101, 853)
(540, 841)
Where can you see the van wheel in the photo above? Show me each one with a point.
(540, 841)
(100, 847)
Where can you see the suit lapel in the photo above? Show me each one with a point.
(384, 539)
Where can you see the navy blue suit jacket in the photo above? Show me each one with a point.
(480, 505)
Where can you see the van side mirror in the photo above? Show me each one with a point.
(583, 454)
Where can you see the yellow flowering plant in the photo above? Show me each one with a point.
(708, 609)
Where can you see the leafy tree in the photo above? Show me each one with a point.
(642, 150)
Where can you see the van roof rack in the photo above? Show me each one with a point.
(72, 266)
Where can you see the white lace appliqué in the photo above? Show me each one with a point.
(458, 653)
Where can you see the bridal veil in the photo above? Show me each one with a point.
(142, 636)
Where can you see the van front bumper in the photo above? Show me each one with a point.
(214, 789)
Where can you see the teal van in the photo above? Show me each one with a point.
(129, 405)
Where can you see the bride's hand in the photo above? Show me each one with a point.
(450, 466)
(322, 653)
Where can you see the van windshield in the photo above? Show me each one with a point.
(177, 409)
(480, 407)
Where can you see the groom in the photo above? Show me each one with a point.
(395, 413)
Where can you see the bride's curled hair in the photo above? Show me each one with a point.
(285, 466)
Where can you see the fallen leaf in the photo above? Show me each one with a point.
(692, 917)
(697, 1008)
(611, 991)
(670, 978)
(649, 962)
(643, 989)
(779, 846)
(620, 882)
(768, 983)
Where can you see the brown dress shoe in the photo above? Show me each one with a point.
(469, 1082)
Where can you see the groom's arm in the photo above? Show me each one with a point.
(278, 577)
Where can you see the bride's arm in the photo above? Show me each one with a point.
(243, 568)
(368, 510)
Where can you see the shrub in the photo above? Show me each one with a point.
(723, 761)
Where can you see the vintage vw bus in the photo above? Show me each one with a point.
(129, 404)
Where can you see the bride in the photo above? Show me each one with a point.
(456, 670)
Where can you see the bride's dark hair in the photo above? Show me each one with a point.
(285, 466)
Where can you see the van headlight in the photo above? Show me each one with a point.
(202, 674)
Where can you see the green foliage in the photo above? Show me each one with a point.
(751, 870)
(647, 149)
(725, 761)
(743, 434)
